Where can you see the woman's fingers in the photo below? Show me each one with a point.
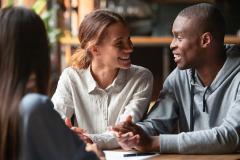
(78, 130)
(94, 148)
(68, 122)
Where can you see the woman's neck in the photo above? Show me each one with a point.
(103, 75)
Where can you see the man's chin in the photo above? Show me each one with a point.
(182, 67)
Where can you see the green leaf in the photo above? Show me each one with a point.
(47, 16)
(39, 5)
(10, 3)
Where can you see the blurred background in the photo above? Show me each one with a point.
(149, 21)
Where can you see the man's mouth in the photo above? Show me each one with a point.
(177, 57)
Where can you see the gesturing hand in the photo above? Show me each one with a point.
(94, 148)
(79, 131)
(131, 136)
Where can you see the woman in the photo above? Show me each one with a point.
(29, 126)
(102, 88)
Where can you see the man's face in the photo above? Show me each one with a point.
(185, 45)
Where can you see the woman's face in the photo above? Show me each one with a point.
(115, 49)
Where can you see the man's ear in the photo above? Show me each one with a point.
(206, 39)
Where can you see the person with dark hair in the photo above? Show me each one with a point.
(30, 128)
(102, 88)
(198, 109)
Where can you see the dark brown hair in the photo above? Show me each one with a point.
(91, 31)
(23, 50)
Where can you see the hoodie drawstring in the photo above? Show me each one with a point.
(204, 100)
(192, 100)
(191, 128)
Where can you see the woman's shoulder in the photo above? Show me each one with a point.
(73, 73)
(73, 70)
(136, 70)
(139, 69)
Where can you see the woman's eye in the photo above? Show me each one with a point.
(119, 45)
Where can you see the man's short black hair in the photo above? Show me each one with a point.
(209, 19)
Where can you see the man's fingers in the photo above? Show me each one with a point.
(127, 135)
(135, 139)
(131, 128)
(128, 142)
(121, 129)
(125, 138)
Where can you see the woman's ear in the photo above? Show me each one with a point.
(206, 39)
(94, 50)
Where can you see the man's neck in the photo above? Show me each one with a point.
(208, 72)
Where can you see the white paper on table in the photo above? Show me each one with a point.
(118, 155)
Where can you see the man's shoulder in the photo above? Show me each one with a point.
(179, 73)
(232, 50)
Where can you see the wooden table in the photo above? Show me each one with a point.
(111, 155)
(196, 157)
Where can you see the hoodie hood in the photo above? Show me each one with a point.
(230, 68)
(226, 74)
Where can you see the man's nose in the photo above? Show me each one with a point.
(173, 44)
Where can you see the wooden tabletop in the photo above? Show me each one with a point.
(196, 157)
(118, 154)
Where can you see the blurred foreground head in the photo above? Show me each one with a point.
(24, 55)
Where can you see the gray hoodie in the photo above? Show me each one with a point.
(215, 116)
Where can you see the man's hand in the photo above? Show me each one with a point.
(131, 136)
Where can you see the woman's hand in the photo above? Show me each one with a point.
(79, 131)
(94, 148)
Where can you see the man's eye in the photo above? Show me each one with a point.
(179, 38)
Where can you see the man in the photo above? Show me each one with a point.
(198, 110)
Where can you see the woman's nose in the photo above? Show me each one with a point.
(129, 48)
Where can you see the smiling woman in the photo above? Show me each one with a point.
(101, 87)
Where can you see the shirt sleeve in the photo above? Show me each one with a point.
(163, 116)
(139, 103)
(44, 134)
(106, 140)
(163, 120)
(62, 98)
(218, 140)
(137, 106)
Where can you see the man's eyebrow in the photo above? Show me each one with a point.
(178, 32)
